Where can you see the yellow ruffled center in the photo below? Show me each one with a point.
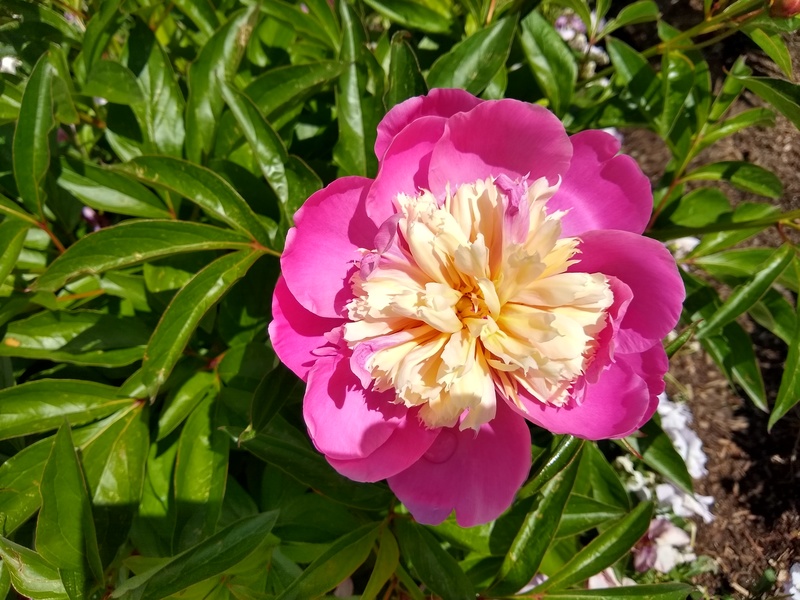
(473, 297)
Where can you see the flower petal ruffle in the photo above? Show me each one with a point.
(320, 251)
(602, 189)
(475, 475)
(617, 404)
(438, 103)
(648, 269)
(500, 137)
(296, 333)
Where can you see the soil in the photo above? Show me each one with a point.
(754, 476)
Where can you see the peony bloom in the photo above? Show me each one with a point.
(492, 274)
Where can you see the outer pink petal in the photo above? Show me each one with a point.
(475, 475)
(438, 103)
(620, 402)
(344, 420)
(602, 190)
(296, 333)
(318, 260)
(648, 268)
(404, 168)
(408, 442)
(500, 137)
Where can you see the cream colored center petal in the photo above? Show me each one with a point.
(462, 306)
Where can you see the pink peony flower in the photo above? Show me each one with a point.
(493, 273)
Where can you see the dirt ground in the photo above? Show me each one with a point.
(753, 476)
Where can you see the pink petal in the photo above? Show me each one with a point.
(602, 190)
(648, 268)
(408, 442)
(475, 475)
(320, 251)
(606, 341)
(404, 168)
(344, 420)
(296, 333)
(622, 400)
(500, 137)
(438, 103)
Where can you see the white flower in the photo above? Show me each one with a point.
(9, 64)
(792, 587)
(663, 547)
(639, 483)
(682, 504)
(682, 247)
(607, 578)
(675, 421)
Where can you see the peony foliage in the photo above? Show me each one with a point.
(304, 298)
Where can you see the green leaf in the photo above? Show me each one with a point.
(414, 15)
(535, 534)
(731, 88)
(676, 120)
(755, 117)
(160, 116)
(472, 63)
(201, 469)
(745, 296)
(12, 209)
(133, 242)
(743, 175)
(217, 63)
(773, 46)
(700, 207)
(661, 591)
(583, 513)
(561, 456)
(101, 27)
(79, 337)
(632, 70)
(659, 454)
(281, 89)
(672, 347)
(203, 187)
(30, 574)
(271, 394)
(732, 348)
(182, 400)
(789, 391)
(12, 238)
(267, 146)
(110, 191)
(783, 95)
(114, 458)
(386, 563)
(335, 565)
(551, 60)
(404, 76)
(32, 136)
(114, 82)
(293, 455)
(605, 482)
(43, 405)
(209, 558)
(604, 550)
(358, 112)
(642, 11)
(65, 534)
(20, 477)
(202, 14)
(184, 312)
(437, 569)
(775, 313)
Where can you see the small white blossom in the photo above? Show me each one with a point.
(682, 504)
(675, 421)
(9, 64)
(607, 578)
(682, 247)
(663, 547)
(792, 587)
